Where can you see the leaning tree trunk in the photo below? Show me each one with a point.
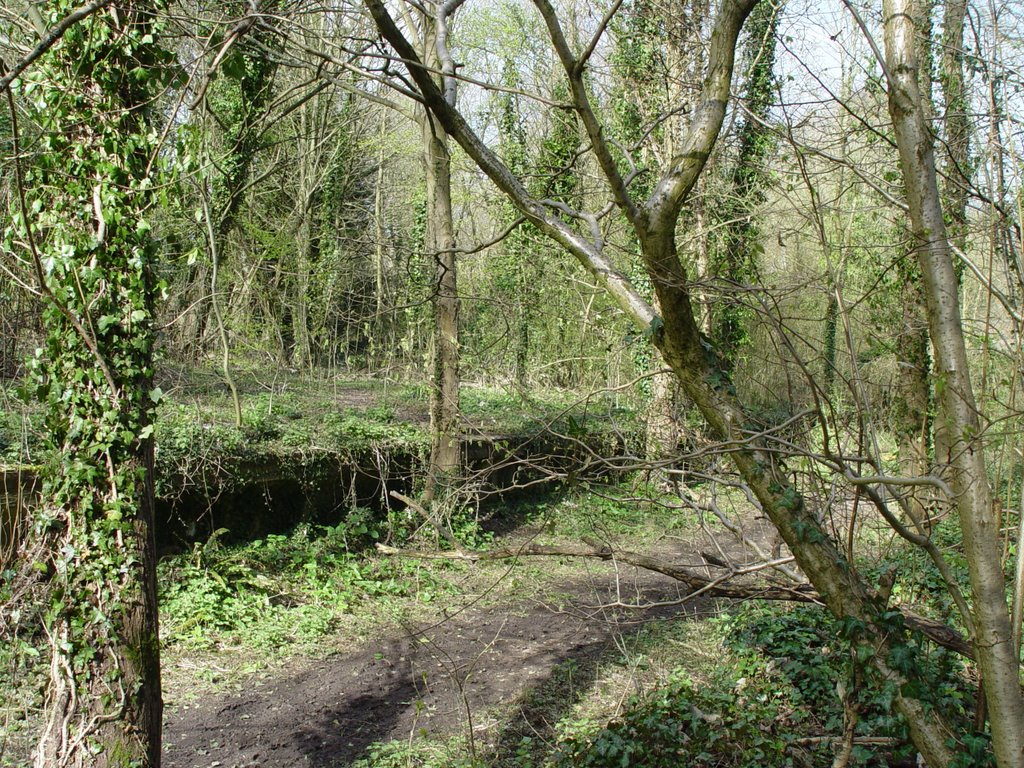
(84, 209)
(675, 333)
(997, 657)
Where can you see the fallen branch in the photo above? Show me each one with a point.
(873, 741)
(695, 581)
(939, 633)
(428, 516)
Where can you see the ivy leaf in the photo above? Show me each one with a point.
(234, 66)
(654, 330)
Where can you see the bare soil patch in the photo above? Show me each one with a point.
(424, 680)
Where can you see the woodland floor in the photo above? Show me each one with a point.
(516, 649)
(480, 661)
(491, 656)
(423, 681)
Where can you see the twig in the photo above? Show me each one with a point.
(937, 632)
(430, 518)
(51, 38)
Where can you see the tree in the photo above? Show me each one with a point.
(734, 262)
(445, 446)
(998, 656)
(236, 100)
(698, 369)
(81, 216)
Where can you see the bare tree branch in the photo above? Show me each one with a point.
(51, 38)
(936, 631)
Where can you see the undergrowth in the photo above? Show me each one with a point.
(764, 686)
(281, 593)
(783, 688)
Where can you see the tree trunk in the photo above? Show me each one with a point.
(913, 387)
(445, 448)
(103, 704)
(957, 121)
(997, 656)
(675, 332)
(444, 399)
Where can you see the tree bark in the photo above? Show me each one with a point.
(445, 447)
(997, 656)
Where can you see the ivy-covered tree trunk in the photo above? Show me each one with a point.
(638, 62)
(912, 395)
(736, 259)
(86, 197)
(959, 168)
(237, 99)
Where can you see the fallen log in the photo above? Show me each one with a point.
(699, 585)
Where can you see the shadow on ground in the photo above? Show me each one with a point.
(329, 713)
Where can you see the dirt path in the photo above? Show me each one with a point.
(327, 713)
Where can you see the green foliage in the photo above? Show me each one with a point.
(741, 721)
(196, 447)
(465, 527)
(523, 328)
(776, 679)
(22, 439)
(281, 591)
(423, 754)
(515, 412)
(605, 510)
(353, 430)
(816, 655)
(920, 583)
